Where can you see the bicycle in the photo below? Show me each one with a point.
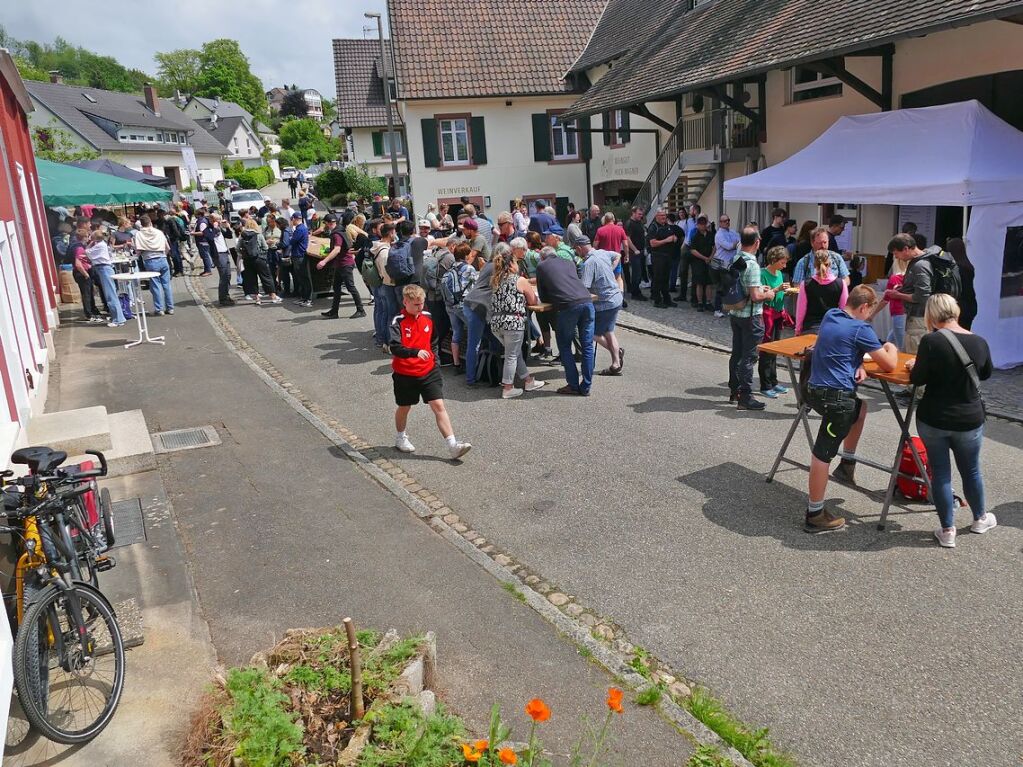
(68, 650)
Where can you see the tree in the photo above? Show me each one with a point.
(224, 73)
(294, 105)
(177, 71)
(57, 145)
(304, 141)
(329, 110)
(77, 65)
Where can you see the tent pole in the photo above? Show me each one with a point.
(966, 220)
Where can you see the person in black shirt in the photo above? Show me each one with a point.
(636, 265)
(701, 248)
(663, 238)
(776, 229)
(951, 413)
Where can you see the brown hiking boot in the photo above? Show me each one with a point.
(845, 472)
(824, 522)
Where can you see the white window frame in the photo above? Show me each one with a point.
(566, 137)
(453, 130)
(809, 88)
(385, 144)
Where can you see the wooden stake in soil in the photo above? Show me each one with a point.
(353, 651)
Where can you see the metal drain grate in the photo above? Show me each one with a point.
(185, 439)
(129, 525)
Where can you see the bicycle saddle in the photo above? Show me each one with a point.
(40, 460)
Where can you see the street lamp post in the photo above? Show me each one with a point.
(387, 101)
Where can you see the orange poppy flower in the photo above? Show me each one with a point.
(470, 754)
(538, 710)
(507, 756)
(481, 745)
(614, 700)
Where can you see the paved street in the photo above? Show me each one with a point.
(647, 503)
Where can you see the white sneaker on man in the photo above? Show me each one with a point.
(511, 393)
(719, 314)
(459, 449)
(534, 385)
(946, 538)
(984, 524)
(403, 444)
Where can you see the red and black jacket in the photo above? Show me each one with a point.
(408, 336)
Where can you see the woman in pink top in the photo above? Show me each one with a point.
(895, 306)
(819, 294)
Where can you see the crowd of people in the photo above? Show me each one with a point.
(524, 290)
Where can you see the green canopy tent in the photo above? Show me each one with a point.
(68, 186)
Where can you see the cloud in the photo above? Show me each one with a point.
(286, 42)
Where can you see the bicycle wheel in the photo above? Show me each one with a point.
(67, 697)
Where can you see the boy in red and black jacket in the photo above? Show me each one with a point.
(414, 355)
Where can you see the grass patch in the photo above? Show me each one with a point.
(709, 756)
(640, 663)
(752, 744)
(267, 733)
(513, 590)
(585, 652)
(650, 696)
(403, 736)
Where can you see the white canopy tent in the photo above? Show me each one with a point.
(955, 155)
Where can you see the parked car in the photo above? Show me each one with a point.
(288, 172)
(311, 172)
(243, 199)
(227, 183)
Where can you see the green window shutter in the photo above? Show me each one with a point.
(378, 143)
(626, 134)
(541, 137)
(585, 138)
(606, 119)
(478, 142)
(431, 150)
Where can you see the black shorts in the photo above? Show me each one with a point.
(839, 410)
(409, 389)
(700, 271)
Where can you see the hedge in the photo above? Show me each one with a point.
(255, 178)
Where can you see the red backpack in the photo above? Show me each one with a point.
(910, 490)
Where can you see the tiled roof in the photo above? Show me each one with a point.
(360, 91)
(623, 25)
(224, 108)
(70, 104)
(727, 39)
(508, 48)
(224, 131)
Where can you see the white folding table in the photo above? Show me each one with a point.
(133, 282)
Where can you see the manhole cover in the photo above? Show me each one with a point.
(129, 525)
(185, 439)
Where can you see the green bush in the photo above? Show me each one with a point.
(330, 183)
(267, 734)
(255, 178)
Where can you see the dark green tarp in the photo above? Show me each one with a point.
(68, 186)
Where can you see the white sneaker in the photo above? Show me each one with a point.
(250, 297)
(461, 448)
(511, 393)
(404, 444)
(946, 538)
(984, 524)
(534, 385)
(719, 314)
(277, 300)
(645, 284)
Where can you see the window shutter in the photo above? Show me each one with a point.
(626, 135)
(585, 138)
(478, 142)
(378, 143)
(431, 150)
(607, 118)
(541, 137)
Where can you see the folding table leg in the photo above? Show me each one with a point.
(905, 438)
(800, 416)
(799, 401)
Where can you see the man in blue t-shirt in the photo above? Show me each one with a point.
(836, 370)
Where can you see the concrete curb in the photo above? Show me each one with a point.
(612, 660)
(670, 334)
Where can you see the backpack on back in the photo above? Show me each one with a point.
(734, 295)
(947, 278)
(251, 245)
(454, 284)
(399, 262)
(431, 267)
(370, 275)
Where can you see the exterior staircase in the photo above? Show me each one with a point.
(691, 156)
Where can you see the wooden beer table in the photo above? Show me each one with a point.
(794, 350)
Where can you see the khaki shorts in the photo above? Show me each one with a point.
(916, 328)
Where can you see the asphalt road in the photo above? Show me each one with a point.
(648, 502)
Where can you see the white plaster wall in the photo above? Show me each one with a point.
(510, 170)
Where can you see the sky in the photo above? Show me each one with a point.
(286, 41)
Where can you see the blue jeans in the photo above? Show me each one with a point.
(578, 317)
(965, 445)
(897, 335)
(105, 273)
(475, 325)
(224, 268)
(175, 255)
(384, 310)
(204, 254)
(160, 286)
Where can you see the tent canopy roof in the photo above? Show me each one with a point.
(111, 168)
(67, 185)
(954, 154)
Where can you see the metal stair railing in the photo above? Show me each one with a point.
(701, 131)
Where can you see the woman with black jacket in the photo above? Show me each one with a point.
(950, 362)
